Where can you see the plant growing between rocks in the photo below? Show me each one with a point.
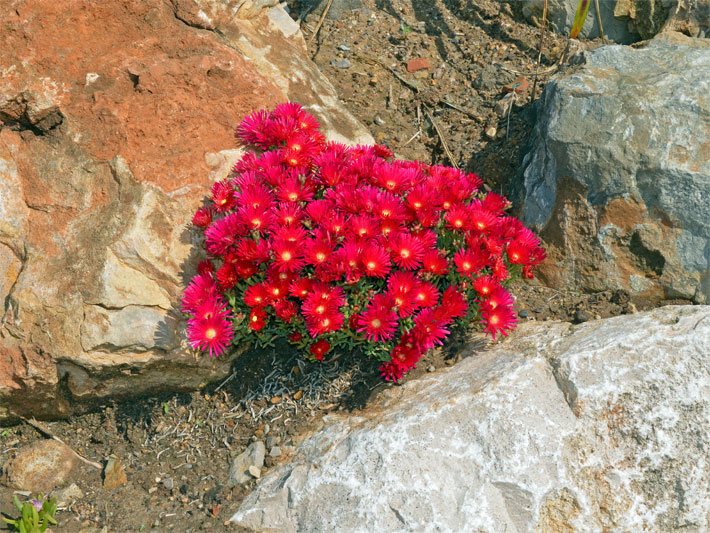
(337, 247)
(36, 515)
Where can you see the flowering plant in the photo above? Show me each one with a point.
(332, 246)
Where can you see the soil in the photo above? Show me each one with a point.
(177, 448)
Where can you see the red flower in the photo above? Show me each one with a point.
(212, 335)
(378, 322)
(426, 294)
(429, 330)
(295, 337)
(257, 319)
(468, 262)
(407, 251)
(495, 203)
(227, 276)
(485, 285)
(223, 196)
(205, 267)
(481, 219)
(458, 217)
(498, 320)
(287, 256)
(319, 348)
(435, 263)
(286, 310)
(318, 251)
(332, 320)
(202, 217)
(375, 261)
(201, 288)
(223, 234)
(391, 372)
(256, 295)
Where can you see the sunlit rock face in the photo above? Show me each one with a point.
(115, 118)
(593, 427)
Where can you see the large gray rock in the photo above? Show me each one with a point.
(618, 176)
(626, 21)
(601, 426)
(560, 15)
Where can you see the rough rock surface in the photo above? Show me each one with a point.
(252, 457)
(618, 176)
(40, 467)
(626, 21)
(108, 141)
(560, 15)
(597, 427)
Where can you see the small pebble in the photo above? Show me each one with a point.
(580, 315)
(418, 63)
(431, 368)
(272, 441)
(168, 483)
(378, 120)
(275, 452)
(523, 313)
(491, 132)
(151, 490)
(255, 471)
(341, 63)
(298, 395)
(343, 48)
(275, 400)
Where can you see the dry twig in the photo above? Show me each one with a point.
(441, 138)
(543, 28)
(320, 22)
(44, 431)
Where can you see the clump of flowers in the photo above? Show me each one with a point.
(343, 247)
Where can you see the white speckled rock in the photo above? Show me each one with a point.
(598, 426)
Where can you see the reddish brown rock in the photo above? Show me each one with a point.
(418, 63)
(108, 141)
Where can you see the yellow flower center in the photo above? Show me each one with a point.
(286, 256)
(371, 265)
(211, 333)
(376, 324)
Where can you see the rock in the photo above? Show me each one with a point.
(338, 8)
(341, 63)
(599, 425)
(168, 483)
(275, 451)
(378, 120)
(95, 247)
(491, 132)
(252, 457)
(272, 441)
(519, 86)
(580, 315)
(626, 21)
(114, 474)
(40, 467)
(561, 15)
(64, 497)
(343, 48)
(255, 471)
(617, 178)
(649, 17)
(418, 63)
